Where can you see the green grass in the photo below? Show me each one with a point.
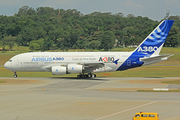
(172, 82)
(2, 81)
(170, 50)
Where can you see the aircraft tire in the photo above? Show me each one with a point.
(15, 76)
(94, 75)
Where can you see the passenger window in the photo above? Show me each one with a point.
(144, 115)
(10, 60)
(151, 115)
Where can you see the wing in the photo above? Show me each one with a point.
(89, 67)
(155, 59)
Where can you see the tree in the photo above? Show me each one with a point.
(64, 43)
(70, 29)
(23, 11)
(9, 41)
(119, 14)
(80, 44)
(48, 43)
(108, 40)
(174, 18)
(95, 44)
(46, 11)
(37, 45)
(28, 34)
(130, 15)
(173, 39)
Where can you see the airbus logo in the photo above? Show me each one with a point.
(42, 59)
(46, 59)
(147, 49)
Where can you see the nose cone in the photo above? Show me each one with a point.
(7, 65)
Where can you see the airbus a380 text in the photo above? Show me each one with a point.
(86, 64)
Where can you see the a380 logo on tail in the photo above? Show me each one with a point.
(147, 49)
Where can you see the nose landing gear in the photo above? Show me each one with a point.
(15, 75)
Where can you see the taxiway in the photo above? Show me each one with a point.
(85, 99)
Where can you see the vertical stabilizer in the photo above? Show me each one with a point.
(154, 42)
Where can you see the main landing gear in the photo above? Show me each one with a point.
(86, 76)
(15, 75)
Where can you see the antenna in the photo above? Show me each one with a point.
(167, 14)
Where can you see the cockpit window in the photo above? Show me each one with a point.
(10, 60)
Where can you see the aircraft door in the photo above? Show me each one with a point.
(17, 63)
(129, 63)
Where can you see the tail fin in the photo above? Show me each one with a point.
(155, 40)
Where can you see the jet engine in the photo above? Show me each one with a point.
(58, 70)
(74, 68)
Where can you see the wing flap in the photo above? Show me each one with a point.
(89, 67)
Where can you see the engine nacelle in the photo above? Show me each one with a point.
(74, 68)
(58, 70)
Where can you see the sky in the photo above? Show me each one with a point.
(153, 9)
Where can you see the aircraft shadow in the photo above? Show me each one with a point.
(154, 77)
(75, 78)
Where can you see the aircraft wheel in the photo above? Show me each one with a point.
(94, 75)
(15, 76)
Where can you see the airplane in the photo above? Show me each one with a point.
(86, 64)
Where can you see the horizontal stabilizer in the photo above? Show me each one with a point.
(155, 59)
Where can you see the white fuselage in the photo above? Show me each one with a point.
(41, 61)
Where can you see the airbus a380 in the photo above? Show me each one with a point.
(86, 64)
